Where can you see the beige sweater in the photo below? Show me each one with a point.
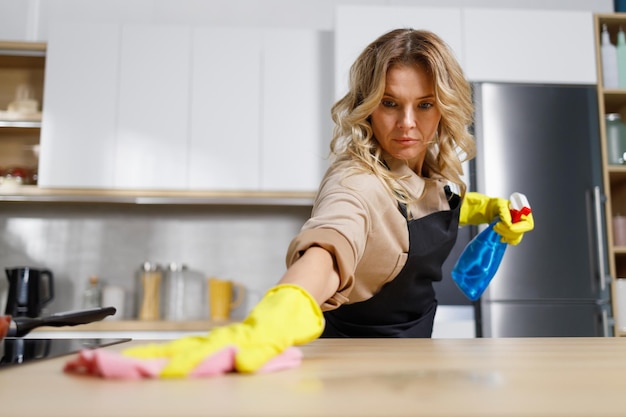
(358, 221)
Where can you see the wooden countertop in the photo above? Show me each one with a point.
(358, 377)
(136, 325)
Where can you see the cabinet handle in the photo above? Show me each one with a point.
(597, 203)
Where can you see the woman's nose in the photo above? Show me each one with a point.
(407, 119)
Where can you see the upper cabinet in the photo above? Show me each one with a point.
(496, 45)
(260, 114)
(152, 140)
(358, 26)
(79, 133)
(225, 145)
(185, 108)
(295, 108)
(529, 46)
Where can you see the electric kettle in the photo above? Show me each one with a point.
(30, 289)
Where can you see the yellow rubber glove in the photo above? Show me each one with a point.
(512, 233)
(477, 209)
(286, 316)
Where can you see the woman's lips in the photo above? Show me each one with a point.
(406, 141)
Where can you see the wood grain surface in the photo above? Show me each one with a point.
(358, 377)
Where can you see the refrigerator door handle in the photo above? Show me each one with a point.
(605, 323)
(597, 204)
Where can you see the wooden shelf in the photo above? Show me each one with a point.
(22, 124)
(614, 100)
(38, 194)
(620, 250)
(22, 48)
(617, 177)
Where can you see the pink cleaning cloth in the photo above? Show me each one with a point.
(105, 364)
(290, 358)
(111, 365)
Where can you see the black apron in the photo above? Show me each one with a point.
(406, 306)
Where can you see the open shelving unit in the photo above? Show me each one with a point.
(22, 65)
(614, 176)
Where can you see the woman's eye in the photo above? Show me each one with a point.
(388, 103)
(425, 105)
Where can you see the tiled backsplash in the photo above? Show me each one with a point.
(241, 243)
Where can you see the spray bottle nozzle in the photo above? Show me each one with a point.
(519, 207)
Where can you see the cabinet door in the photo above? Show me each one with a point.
(225, 109)
(295, 108)
(153, 112)
(17, 21)
(529, 46)
(80, 106)
(358, 26)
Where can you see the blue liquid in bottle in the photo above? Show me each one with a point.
(479, 262)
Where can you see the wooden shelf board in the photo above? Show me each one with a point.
(17, 46)
(614, 100)
(21, 124)
(39, 194)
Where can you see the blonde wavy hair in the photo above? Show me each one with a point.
(352, 135)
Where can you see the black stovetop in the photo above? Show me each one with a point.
(18, 351)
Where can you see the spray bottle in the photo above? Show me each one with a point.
(610, 78)
(482, 256)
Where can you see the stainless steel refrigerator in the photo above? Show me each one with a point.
(543, 141)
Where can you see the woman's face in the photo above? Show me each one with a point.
(406, 120)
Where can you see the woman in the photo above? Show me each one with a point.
(384, 213)
(384, 220)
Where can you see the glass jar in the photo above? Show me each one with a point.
(92, 296)
(174, 294)
(149, 291)
(616, 139)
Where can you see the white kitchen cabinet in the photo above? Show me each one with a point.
(499, 45)
(296, 105)
(358, 26)
(16, 21)
(182, 108)
(78, 136)
(529, 46)
(116, 107)
(225, 109)
(153, 111)
(260, 109)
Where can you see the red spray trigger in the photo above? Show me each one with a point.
(519, 207)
